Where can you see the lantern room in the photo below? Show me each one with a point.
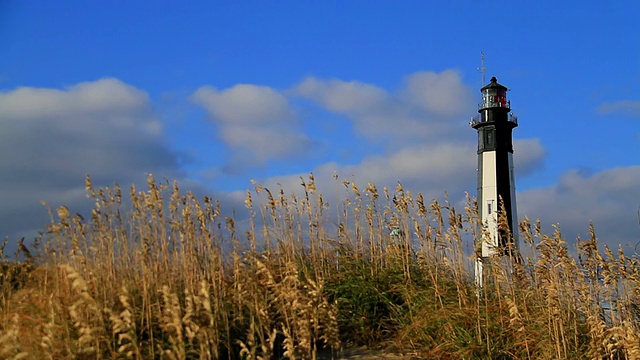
(494, 95)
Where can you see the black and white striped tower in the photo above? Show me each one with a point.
(496, 185)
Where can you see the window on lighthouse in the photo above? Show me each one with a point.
(494, 98)
(489, 139)
(501, 98)
(488, 99)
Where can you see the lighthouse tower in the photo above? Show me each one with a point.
(496, 185)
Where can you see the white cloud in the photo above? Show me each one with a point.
(52, 138)
(255, 121)
(429, 108)
(623, 107)
(431, 169)
(603, 198)
(529, 155)
(264, 143)
(344, 97)
(442, 94)
(105, 97)
(109, 129)
(244, 103)
(427, 143)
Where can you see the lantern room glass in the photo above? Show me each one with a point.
(494, 98)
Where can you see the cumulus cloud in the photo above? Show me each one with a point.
(529, 155)
(105, 96)
(52, 138)
(629, 108)
(347, 97)
(370, 109)
(429, 107)
(256, 121)
(431, 169)
(602, 198)
(427, 143)
(244, 103)
(435, 168)
(442, 94)
(109, 130)
(425, 168)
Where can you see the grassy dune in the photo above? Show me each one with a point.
(162, 274)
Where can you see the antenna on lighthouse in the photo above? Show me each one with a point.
(482, 69)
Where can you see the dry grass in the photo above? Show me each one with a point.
(165, 275)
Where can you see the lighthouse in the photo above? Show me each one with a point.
(496, 186)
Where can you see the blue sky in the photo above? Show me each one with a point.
(214, 94)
